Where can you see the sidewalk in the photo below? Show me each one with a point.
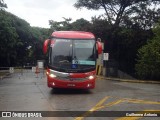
(128, 80)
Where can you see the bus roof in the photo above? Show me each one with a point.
(73, 34)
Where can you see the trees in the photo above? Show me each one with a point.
(62, 25)
(19, 42)
(38, 36)
(125, 27)
(8, 40)
(148, 63)
(117, 11)
(30, 41)
(80, 25)
(2, 4)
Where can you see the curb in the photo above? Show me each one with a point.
(128, 80)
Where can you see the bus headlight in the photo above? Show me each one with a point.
(47, 73)
(52, 75)
(91, 77)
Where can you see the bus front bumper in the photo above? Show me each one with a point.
(56, 83)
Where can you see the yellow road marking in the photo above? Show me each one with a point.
(136, 118)
(99, 106)
(93, 109)
(140, 101)
(109, 104)
(102, 101)
(129, 118)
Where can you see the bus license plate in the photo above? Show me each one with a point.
(71, 85)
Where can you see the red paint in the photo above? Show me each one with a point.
(45, 46)
(73, 34)
(64, 84)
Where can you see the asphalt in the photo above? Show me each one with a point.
(129, 80)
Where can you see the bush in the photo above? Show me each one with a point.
(148, 63)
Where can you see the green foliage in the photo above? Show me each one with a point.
(124, 27)
(19, 42)
(8, 39)
(128, 41)
(148, 63)
(2, 4)
(57, 26)
(39, 35)
(117, 11)
(101, 28)
(79, 25)
(22, 27)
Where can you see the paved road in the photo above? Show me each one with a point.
(27, 92)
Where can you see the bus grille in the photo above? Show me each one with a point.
(71, 79)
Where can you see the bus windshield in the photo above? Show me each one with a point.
(70, 55)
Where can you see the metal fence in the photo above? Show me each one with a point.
(10, 70)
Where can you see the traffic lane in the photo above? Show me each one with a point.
(72, 99)
(122, 97)
(20, 92)
(82, 100)
(106, 88)
(129, 90)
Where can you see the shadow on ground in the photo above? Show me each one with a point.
(69, 91)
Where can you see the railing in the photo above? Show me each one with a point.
(7, 70)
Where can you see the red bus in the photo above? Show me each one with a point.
(71, 59)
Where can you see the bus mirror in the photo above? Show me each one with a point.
(45, 46)
(99, 47)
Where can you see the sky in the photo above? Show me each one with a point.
(39, 12)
